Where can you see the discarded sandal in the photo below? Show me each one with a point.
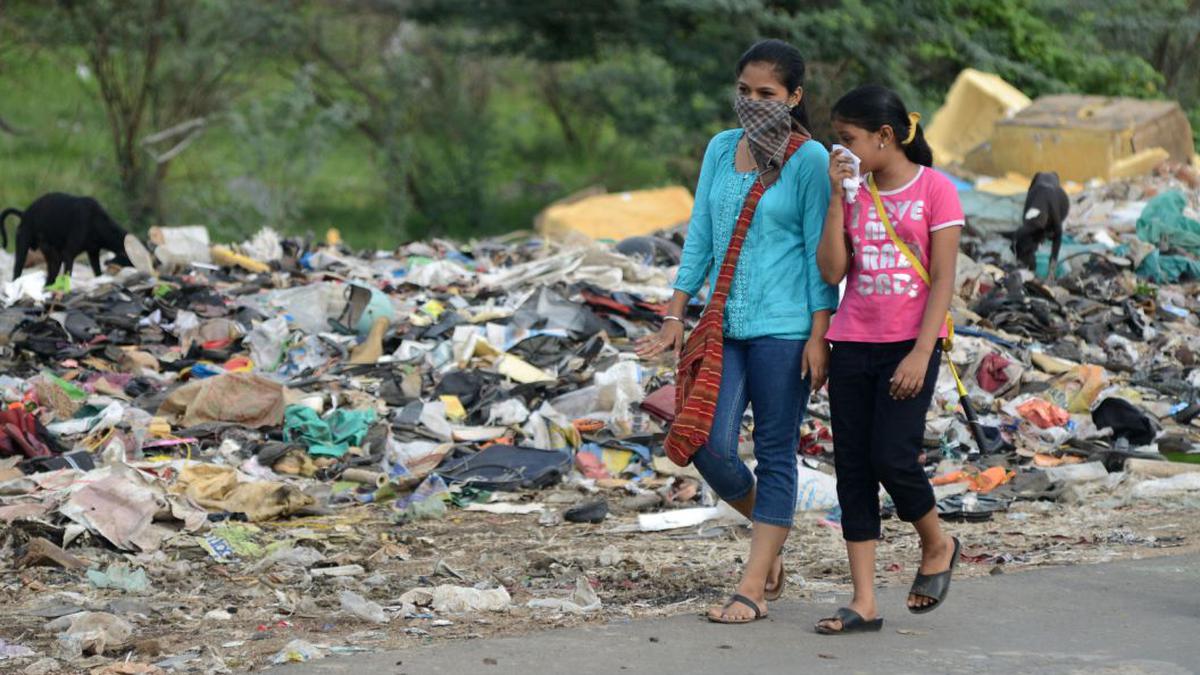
(852, 622)
(934, 586)
(740, 599)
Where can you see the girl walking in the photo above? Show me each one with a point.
(895, 242)
(776, 308)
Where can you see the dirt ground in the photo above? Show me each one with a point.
(635, 574)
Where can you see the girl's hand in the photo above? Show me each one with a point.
(840, 166)
(815, 363)
(670, 336)
(909, 378)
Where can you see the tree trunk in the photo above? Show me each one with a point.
(553, 96)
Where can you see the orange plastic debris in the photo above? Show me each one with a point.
(986, 481)
(982, 482)
(587, 426)
(1043, 413)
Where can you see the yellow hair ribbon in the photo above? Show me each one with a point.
(913, 119)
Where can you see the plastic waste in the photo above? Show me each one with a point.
(265, 246)
(433, 418)
(9, 650)
(309, 307)
(268, 341)
(365, 305)
(90, 633)
(357, 605)
(227, 257)
(519, 371)
(297, 556)
(427, 502)
(1077, 473)
(1184, 483)
(816, 490)
(181, 246)
(142, 259)
(507, 509)
(120, 577)
(582, 601)
(1039, 412)
(300, 651)
(1163, 221)
(458, 599)
(436, 273)
(1078, 388)
(673, 520)
(332, 435)
(509, 412)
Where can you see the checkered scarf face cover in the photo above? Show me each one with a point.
(768, 126)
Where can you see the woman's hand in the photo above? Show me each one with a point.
(815, 363)
(840, 167)
(909, 378)
(670, 336)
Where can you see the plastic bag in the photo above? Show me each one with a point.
(181, 245)
(582, 601)
(1077, 389)
(458, 599)
(267, 342)
(358, 606)
(90, 633)
(507, 413)
(816, 490)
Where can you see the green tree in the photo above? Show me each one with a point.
(160, 69)
(422, 108)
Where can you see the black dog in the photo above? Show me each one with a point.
(1046, 207)
(62, 226)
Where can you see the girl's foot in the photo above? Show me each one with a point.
(934, 559)
(741, 612)
(833, 625)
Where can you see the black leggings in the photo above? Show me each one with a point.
(876, 439)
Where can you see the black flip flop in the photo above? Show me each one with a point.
(743, 600)
(934, 586)
(852, 622)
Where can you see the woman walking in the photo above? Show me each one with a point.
(776, 307)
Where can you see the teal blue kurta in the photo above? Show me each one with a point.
(777, 285)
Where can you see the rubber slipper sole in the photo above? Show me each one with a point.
(736, 621)
(865, 627)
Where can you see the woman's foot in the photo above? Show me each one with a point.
(775, 580)
(740, 612)
(934, 559)
(866, 609)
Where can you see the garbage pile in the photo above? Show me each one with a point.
(278, 432)
(1086, 379)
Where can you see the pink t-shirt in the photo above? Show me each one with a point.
(885, 297)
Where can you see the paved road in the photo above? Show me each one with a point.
(1120, 618)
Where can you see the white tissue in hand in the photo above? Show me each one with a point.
(850, 185)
